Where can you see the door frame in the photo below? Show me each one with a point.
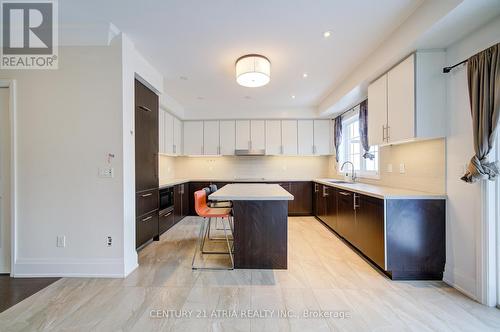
(11, 85)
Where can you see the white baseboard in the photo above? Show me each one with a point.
(460, 282)
(96, 268)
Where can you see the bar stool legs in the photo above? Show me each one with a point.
(204, 234)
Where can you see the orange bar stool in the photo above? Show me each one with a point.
(202, 210)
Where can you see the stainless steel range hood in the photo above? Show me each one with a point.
(250, 152)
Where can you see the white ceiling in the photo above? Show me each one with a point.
(200, 40)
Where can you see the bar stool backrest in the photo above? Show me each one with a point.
(200, 202)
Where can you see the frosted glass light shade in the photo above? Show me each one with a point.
(253, 70)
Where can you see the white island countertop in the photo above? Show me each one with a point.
(251, 192)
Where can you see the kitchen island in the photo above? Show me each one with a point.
(260, 224)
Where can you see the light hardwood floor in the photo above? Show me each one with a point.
(323, 275)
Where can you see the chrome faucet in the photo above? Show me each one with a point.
(353, 176)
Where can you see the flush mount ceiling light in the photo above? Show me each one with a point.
(253, 70)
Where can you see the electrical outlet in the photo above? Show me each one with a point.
(61, 241)
(389, 168)
(402, 168)
(109, 241)
(106, 172)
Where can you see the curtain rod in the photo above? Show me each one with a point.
(448, 69)
(350, 109)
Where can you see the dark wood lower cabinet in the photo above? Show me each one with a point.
(302, 205)
(165, 221)
(346, 219)
(181, 202)
(146, 228)
(403, 237)
(370, 228)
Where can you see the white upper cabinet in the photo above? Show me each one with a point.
(242, 135)
(211, 138)
(227, 132)
(169, 133)
(274, 144)
(322, 136)
(289, 137)
(177, 137)
(377, 111)
(258, 134)
(305, 134)
(408, 102)
(193, 138)
(401, 101)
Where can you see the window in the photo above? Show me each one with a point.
(352, 150)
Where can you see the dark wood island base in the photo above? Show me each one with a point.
(260, 234)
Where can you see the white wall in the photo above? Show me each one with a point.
(68, 120)
(464, 200)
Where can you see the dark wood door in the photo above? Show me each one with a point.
(146, 228)
(316, 198)
(346, 221)
(165, 221)
(370, 228)
(331, 207)
(322, 199)
(177, 203)
(185, 199)
(302, 205)
(146, 138)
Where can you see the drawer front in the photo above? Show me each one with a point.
(146, 228)
(146, 202)
(165, 221)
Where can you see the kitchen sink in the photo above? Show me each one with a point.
(338, 181)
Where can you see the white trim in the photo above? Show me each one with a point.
(95, 268)
(11, 85)
(455, 278)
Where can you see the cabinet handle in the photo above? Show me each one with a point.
(356, 205)
(250, 145)
(175, 148)
(144, 108)
(343, 193)
(383, 133)
(146, 219)
(314, 149)
(315, 187)
(166, 214)
(388, 136)
(146, 195)
(324, 191)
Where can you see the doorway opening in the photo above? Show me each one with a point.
(5, 181)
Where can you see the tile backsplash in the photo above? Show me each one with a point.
(424, 167)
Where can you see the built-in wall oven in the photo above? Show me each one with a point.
(166, 216)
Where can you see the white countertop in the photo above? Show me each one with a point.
(251, 192)
(381, 191)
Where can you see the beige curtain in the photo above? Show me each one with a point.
(483, 74)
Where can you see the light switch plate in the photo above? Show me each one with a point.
(106, 172)
(402, 168)
(389, 168)
(61, 241)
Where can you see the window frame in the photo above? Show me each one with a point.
(348, 120)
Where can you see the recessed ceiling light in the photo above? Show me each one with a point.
(293, 96)
(184, 78)
(305, 75)
(248, 97)
(327, 34)
(200, 98)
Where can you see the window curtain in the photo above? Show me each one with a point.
(483, 75)
(337, 135)
(363, 129)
